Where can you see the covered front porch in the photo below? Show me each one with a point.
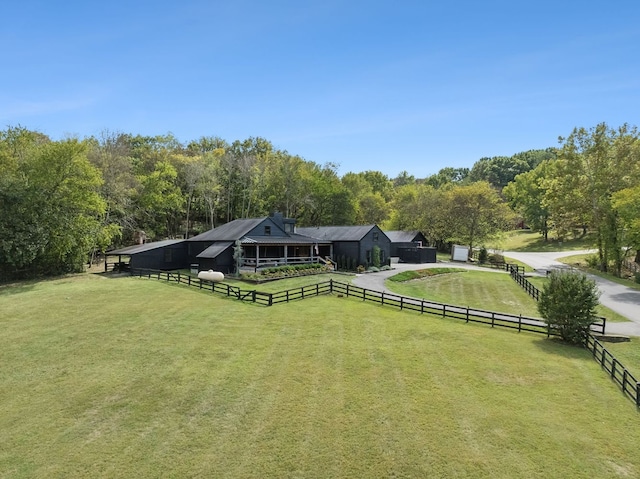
(263, 254)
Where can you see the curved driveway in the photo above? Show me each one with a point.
(621, 299)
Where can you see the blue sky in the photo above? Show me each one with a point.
(389, 86)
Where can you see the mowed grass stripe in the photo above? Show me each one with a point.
(150, 379)
(486, 290)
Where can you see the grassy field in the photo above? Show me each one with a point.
(525, 240)
(137, 378)
(490, 290)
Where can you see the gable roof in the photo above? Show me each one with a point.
(141, 248)
(402, 236)
(234, 230)
(336, 233)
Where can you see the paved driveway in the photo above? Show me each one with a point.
(621, 299)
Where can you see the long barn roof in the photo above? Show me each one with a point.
(336, 233)
(141, 248)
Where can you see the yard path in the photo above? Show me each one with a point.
(621, 299)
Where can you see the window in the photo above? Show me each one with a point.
(375, 236)
(267, 230)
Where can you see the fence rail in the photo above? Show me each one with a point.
(519, 322)
(619, 374)
(519, 278)
(469, 315)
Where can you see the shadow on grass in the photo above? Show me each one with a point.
(558, 347)
(532, 242)
(8, 289)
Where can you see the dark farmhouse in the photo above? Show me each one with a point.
(268, 241)
(354, 242)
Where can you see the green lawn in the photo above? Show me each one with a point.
(130, 377)
(525, 240)
(492, 291)
(290, 283)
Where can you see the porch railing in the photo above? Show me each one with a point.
(279, 261)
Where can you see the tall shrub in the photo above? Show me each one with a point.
(567, 303)
(375, 256)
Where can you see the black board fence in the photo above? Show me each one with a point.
(520, 278)
(619, 374)
(469, 315)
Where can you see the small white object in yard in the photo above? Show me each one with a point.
(211, 275)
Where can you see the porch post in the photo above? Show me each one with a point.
(257, 257)
(286, 254)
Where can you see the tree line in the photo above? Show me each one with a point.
(66, 200)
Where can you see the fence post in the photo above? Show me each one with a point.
(604, 323)
(317, 289)
(364, 294)
(270, 299)
(520, 322)
(382, 300)
(331, 285)
(638, 394)
(602, 357)
(613, 368)
(467, 314)
(401, 302)
(422, 306)
(444, 310)
(624, 381)
(493, 318)
(178, 276)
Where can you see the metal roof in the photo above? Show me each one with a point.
(141, 248)
(215, 249)
(336, 233)
(231, 231)
(292, 239)
(402, 236)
